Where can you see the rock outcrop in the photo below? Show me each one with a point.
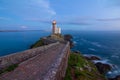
(92, 58)
(116, 78)
(69, 38)
(80, 68)
(103, 68)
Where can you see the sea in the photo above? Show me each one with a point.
(105, 44)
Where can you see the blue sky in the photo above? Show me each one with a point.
(70, 14)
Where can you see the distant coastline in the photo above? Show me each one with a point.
(19, 30)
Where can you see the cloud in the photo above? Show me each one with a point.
(76, 20)
(24, 27)
(4, 18)
(109, 19)
(29, 8)
(115, 2)
(45, 5)
(75, 23)
(38, 20)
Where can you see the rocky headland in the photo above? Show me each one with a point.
(80, 67)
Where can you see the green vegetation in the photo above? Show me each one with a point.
(47, 40)
(10, 68)
(38, 44)
(81, 69)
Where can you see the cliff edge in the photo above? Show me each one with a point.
(79, 68)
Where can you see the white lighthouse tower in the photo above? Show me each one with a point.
(55, 29)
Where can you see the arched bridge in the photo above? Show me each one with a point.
(48, 62)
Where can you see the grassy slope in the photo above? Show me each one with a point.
(41, 41)
(81, 69)
(8, 69)
(38, 44)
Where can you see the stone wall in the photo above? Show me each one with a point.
(58, 69)
(37, 64)
(19, 57)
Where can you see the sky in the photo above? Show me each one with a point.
(69, 14)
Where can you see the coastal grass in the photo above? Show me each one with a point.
(81, 69)
(8, 69)
(37, 44)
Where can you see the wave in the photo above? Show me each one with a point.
(75, 42)
(92, 49)
(114, 72)
(106, 61)
(115, 69)
(108, 50)
(84, 40)
(97, 44)
(115, 56)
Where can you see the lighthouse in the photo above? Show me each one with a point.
(53, 26)
(55, 29)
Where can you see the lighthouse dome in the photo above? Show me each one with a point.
(54, 22)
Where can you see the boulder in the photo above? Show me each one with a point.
(116, 78)
(77, 51)
(92, 58)
(103, 68)
(69, 38)
(95, 58)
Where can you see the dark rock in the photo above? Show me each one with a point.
(95, 58)
(116, 78)
(92, 58)
(87, 57)
(76, 51)
(103, 68)
(69, 38)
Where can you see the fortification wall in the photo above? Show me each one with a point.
(58, 69)
(37, 64)
(19, 57)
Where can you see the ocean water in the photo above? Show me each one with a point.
(105, 44)
(11, 42)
